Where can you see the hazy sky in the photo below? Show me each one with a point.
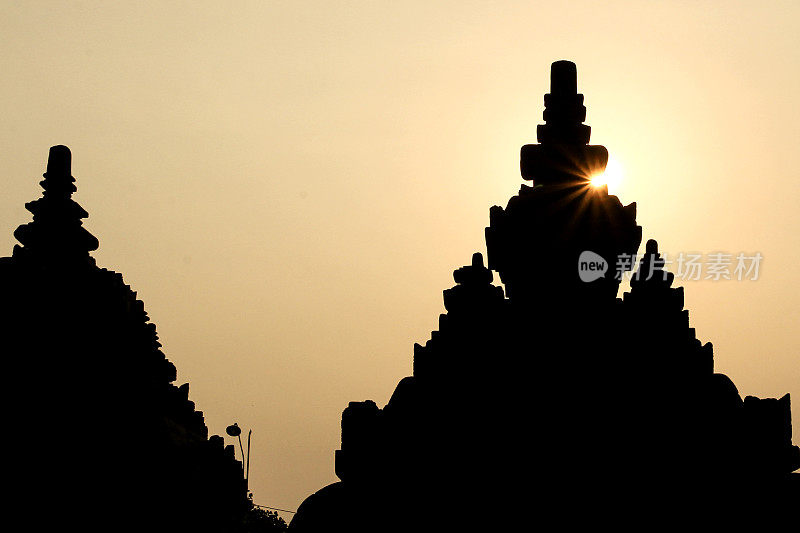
(289, 185)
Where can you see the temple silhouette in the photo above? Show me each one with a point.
(104, 439)
(548, 398)
(544, 398)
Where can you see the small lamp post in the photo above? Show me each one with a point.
(235, 431)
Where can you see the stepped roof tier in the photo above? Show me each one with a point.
(551, 400)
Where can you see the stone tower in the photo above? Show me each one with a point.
(105, 439)
(550, 399)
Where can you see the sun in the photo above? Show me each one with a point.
(612, 176)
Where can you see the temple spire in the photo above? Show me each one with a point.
(563, 155)
(56, 233)
(564, 111)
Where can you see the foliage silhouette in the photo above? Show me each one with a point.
(258, 520)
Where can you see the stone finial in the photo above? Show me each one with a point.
(59, 161)
(563, 78)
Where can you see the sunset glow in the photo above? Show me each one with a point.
(611, 177)
(289, 186)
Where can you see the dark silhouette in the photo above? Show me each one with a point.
(258, 520)
(105, 440)
(557, 402)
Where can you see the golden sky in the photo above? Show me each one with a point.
(289, 185)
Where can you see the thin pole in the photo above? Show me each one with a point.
(241, 448)
(247, 476)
